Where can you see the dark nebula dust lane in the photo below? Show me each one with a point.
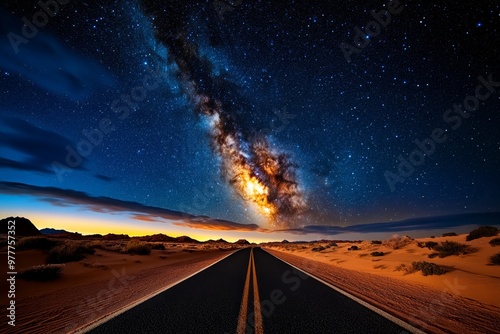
(259, 173)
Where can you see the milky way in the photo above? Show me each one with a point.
(259, 173)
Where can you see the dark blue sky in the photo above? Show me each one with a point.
(136, 72)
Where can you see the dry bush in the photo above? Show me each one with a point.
(68, 252)
(495, 259)
(427, 244)
(45, 272)
(157, 245)
(495, 242)
(42, 243)
(403, 267)
(428, 268)
(110, 246)
(482, 231)
(377, 254)
(449, 248)
(138, 247)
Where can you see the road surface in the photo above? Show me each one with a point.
(250, 291)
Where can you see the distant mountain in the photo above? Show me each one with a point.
(186, 239)
(49, 230)
(112, 236)
(220, 241)
(157, 238)
(61, 233)
(242, 242)
(23, 226)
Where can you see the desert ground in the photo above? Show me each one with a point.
(102, 282)
(465, 299)
(445, 284)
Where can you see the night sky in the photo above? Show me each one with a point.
(279, 114)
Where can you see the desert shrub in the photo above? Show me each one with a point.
(69, 252)
(397, 241)
(482, 231)
(427, 244)
(45, 272)
(377, 254)
(428, 268)
(403, 267)
(450, 234)
(431, 244)
(97, 245)
(449, 248)
(332, 244)
(400, 267)
(111, 246)
(318, 249)
(159, 246)
(35, 243)
(137, 247)
(353, 247)
(376, 242)
(495, 259)
(495, 242)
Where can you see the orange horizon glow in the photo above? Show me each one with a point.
(88, 225)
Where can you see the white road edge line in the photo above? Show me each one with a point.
(96, 323)
(375, 309)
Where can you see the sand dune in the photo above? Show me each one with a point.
(101, 284)
(466, 297)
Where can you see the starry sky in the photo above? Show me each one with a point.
(264, 114)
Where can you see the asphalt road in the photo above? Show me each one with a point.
(250, 292)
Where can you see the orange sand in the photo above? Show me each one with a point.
(464, 300)
(98, 285)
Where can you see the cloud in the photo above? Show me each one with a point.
(414, 224)
(137, 211)
(104, 178)
(206, 223)
(44, 61)
(143, 213)
(145, 218)
(41, 147)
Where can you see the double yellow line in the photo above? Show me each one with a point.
(242, 318)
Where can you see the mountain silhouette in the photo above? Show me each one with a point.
(23, 226)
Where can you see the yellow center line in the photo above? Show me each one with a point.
(259, 329)
(242, 318)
